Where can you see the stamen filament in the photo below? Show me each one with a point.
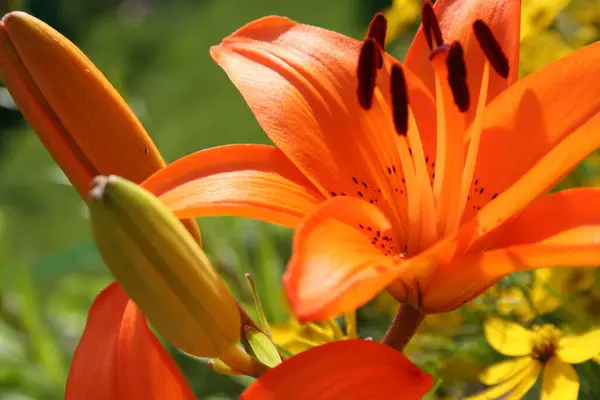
(449, 153)
(428, 223)
(413, 193)
(469, 169)
(401, 114)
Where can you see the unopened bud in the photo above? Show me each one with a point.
(163, 269)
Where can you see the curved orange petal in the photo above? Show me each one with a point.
(119, 358)
(300, 82)
(349, 369)
(338, 261)
(456, 18)
(247, 180)
(551, 114)
(562, 229)
(549, 216)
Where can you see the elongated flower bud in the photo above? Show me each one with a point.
(87, 127)
(162, 268)
(79, 117)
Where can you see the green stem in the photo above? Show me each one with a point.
(403, 327)
(243, 363)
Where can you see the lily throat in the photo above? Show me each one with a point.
(429, 188)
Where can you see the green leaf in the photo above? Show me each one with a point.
(262, 347)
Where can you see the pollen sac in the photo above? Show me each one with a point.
(491, 48)
(431, 27)
(457, 76)
(399, 100)
(162, 268)
(378, 31)
(366, 72)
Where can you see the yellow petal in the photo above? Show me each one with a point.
(513, 301)
(523, 387)
(580, 348)
(507, 337)
(502, 371)
(559, 381)
(522, 379)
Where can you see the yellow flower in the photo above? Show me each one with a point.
(295, 337)
(400, 16)
(537, 15)
(549, 290)
(540, 50)
(585, 11)
(542, 349)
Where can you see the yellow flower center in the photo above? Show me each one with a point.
(545, 342)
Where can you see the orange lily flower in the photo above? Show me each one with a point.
(89, 130)
(349, 369)
(427, 178)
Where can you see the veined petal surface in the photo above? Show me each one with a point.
(247, 180)
(339, 259)
(538, 130)
(349, 369)
(119, 358)
(562, 229)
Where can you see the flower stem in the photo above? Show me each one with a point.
(403, 327)
(240, 361)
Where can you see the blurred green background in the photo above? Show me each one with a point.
(155, 52)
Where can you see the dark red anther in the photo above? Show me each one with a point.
(491, 48)
(431, 27)
(366, 72)
(399, 100)
(457, 76)
(377, 31)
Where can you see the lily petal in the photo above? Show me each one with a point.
(456, 19)
(255, 181)
(545, 125)
(349, 369)
(81, 119)
(339, 260)
(562, 229)
(507, 337)
(559, 381)
(580, 348)
(119, 358)
(300, 82)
